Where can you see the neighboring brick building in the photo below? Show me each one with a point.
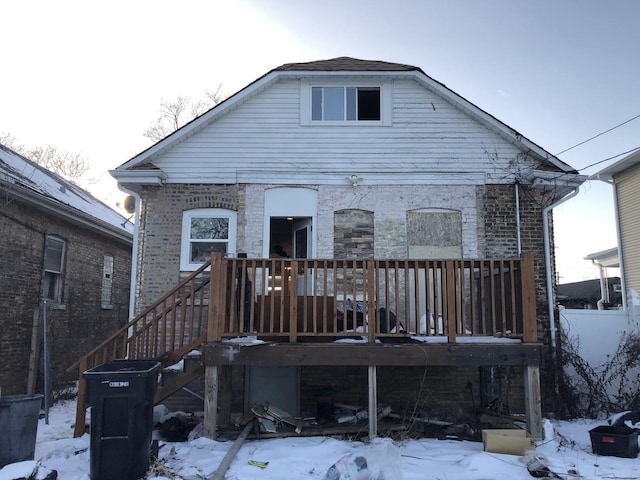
(61, 246)
(402, 168)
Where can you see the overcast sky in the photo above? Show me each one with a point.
(88, 76)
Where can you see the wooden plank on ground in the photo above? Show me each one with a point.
(231, 454)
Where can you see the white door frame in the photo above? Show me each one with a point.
(290, 202)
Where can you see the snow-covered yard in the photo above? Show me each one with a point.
(567, 450)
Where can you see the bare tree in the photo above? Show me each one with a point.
(175, 113)
(70, 165)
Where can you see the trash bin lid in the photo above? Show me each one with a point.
(6, 399)
(125, 367)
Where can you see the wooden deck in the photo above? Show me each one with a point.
(408, 312)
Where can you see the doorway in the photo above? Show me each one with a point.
(290, 237)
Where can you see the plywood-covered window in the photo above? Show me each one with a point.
(434, 234)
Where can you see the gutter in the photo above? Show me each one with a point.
(547, 258)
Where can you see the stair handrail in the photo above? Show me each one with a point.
(119, 343)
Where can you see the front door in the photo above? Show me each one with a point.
(302, 238)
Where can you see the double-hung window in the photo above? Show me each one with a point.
(204, 231)
(54, 251)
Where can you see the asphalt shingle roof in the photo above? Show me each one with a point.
(347, 64)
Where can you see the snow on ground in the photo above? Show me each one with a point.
(567, 450)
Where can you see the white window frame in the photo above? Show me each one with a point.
(55, 275)
(306, 103)
(185, 249)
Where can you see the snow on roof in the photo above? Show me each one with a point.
(32, 183)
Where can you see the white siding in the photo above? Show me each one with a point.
(263, 140)
(628, 198)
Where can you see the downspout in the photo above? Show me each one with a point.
(517, 193)
(134, 253)
(623, 283)
(604, 288)
(547, 259)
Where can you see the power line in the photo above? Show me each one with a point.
(610, 158)
(598, 135)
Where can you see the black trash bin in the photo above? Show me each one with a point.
(18, 427)
(120, 394)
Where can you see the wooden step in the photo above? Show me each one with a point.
(177, 376)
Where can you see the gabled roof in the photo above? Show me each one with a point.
(607, 174)
(29, 183)
(552, 169)
(347, 64)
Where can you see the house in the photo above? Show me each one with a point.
(593, 294)
(66, 263)
(624, 176)
(381, 234)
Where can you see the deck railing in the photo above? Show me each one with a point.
(389, 300)
(323, 300)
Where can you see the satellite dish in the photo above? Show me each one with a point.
(130, 204)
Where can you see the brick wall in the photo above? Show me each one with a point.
(77, 325)
(353, 216)
(499, 239)
(161, 230)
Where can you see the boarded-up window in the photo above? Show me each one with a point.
(107, 282)
(353, 234)
(434, 234)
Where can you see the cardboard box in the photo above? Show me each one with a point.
(512, 442)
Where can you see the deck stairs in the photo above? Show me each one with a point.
(169, 330)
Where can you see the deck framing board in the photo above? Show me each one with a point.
(349, 354)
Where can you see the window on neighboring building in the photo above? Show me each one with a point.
(54, 250)
(339, 104)
(204, 231)
(107, 282)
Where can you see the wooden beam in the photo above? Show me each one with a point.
(215, 316)
(210, 401)
(373, 403)
(347, 354)
(528, 285)
(533, 401)
(34, 356)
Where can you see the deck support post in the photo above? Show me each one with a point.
(373, 403)
(224, 418)
(210, 401)
(533, 402)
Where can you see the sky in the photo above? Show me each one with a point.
(89, 77)
(566, 450)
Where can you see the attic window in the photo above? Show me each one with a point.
(340, 104)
